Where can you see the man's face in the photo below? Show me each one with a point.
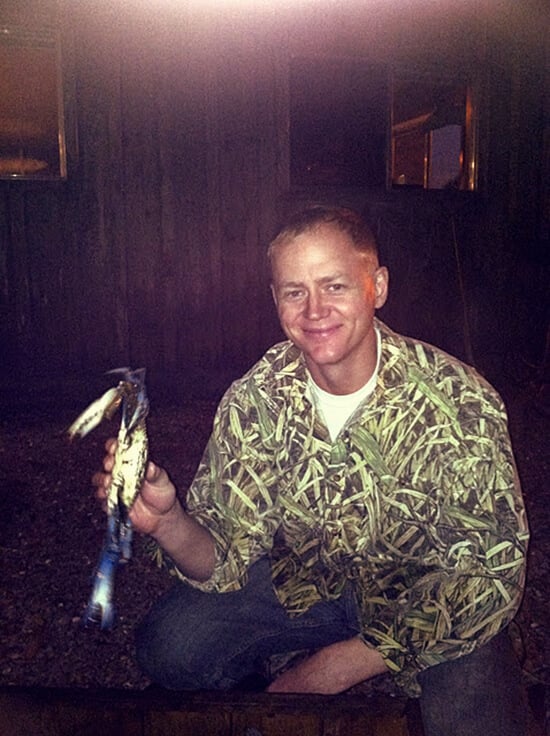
(326, 294)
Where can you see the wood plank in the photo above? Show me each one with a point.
(273, 723)
(50, 713)
(364, 724)
(187, 723)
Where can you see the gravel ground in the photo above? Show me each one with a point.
(51, 530)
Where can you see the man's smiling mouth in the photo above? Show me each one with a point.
(320, 333)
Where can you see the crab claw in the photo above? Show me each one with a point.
(103, 407)
(137, 408)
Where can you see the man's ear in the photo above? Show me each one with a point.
(381, 286)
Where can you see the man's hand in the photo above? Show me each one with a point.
(332, 669)
(158, 512)
(155, 500)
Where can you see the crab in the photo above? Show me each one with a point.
(127, 477)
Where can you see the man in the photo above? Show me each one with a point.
(358, 499)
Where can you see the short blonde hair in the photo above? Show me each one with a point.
(346, 220)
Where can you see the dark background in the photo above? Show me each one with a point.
(152, 252)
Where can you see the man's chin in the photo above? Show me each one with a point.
(322, 357)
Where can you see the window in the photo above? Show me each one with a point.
(32, 133)
(433, 133)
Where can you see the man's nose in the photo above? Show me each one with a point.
(315, 306)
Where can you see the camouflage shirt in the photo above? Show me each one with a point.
(416, 502)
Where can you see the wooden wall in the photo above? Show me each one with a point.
(152, 252)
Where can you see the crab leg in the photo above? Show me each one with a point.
(125, 540)
(100, 609)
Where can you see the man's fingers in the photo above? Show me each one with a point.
(153, 472)
(101, 481)
(110, 445)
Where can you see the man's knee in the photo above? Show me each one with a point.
(164, 660)
(174, 644)
(480, 693)
(193, 640)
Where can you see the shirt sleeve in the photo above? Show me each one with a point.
(232, 492)
(461, 571)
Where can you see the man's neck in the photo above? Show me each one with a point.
(345, 378)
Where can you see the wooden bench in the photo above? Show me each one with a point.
(72, 712)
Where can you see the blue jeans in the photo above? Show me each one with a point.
(193, 640)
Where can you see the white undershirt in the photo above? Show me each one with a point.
(337, 409)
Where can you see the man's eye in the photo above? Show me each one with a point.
(293, 295)
(336, 287)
